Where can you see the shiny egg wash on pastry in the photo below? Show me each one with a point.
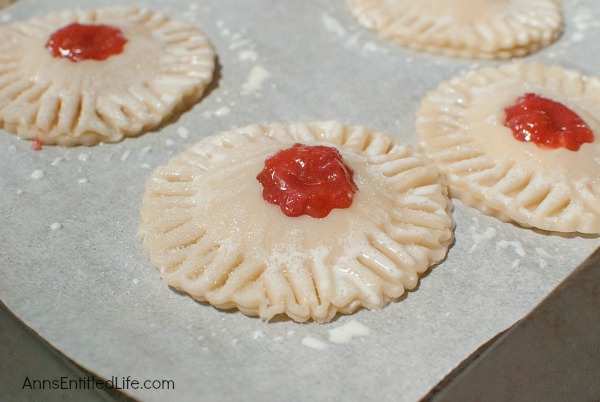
(521, 142)
(231, 220)
(479, 29)
(87, 76)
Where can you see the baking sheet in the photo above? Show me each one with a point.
(74, 270)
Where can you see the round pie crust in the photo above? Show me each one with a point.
(477, 29)
(163, 69)
(461, 125)
(211, 234)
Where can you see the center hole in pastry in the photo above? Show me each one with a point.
(307, 180)
(548, 124)
(78, 42)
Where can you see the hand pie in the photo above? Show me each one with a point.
(521, 142)
(211, 233)
(479, 29)
(83, 77)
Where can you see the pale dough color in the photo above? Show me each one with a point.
(211, 234)
(164, 68)
(484, 29)
(461, 125)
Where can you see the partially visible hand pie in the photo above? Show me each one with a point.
(521, 141)
(83, 77)
(211, 233)
(483, 29)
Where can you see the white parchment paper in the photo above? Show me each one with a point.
(74, 270)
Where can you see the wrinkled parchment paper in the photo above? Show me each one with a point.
(74, 270)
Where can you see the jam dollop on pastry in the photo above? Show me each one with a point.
(478, 29)
(521, 141)
(81, 77)
(307, 180)
(305, 220)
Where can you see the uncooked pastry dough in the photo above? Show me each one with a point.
(484, 29)
(461, 125)
(211, 234)
(163, 69)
